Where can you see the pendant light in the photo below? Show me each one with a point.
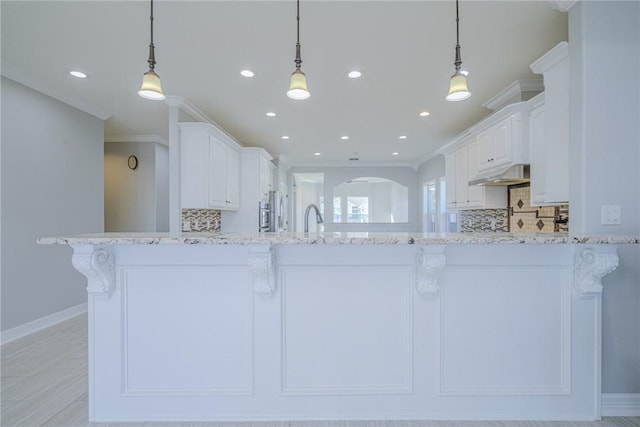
(151, 88)
(458, 89)
(298, 87)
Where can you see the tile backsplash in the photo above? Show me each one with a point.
(194, 220)
(525, 218)
(484, 220)
(518, 217)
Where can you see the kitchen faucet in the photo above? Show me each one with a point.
(306, 217)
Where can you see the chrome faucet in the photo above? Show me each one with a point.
(306, 217)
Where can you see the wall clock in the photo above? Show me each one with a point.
(132, 162)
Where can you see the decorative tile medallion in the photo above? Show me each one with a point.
(520, 223)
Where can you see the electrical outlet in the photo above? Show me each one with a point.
(610, 215)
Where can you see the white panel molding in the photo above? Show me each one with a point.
(591, 265)
(156, 139)
(186, 106)
(621, 404)
(262, 263)
(429, 265)
(42, 323)
(564, 386)
(562, 5)
(405, 387)
(97, 263)
(127, 391)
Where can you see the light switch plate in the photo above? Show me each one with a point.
(610, 215)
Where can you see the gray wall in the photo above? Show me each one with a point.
(136, 200)
(334, 176)
(52, 184)
(604, 42)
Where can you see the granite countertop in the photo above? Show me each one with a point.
(345, 238)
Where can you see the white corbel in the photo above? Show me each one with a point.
(97, 263)
(591, 265)
(429, 265)
(262, 263)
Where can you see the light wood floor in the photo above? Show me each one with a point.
(44, 383)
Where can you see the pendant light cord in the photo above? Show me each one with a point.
(298, 58)
(152, 57)
(458, 60)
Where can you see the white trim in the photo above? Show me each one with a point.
(352, 164)
(558, 53)
(562, 5)
(11, 72)
(186, 106)
(514, 89)
(157, 139)
(42, 323)
(621, 404)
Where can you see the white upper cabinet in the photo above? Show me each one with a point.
(265, 177)
(537, 147)
(461, 166)
(494, 145)
(210, 168)
(502, 139)
(550, 132)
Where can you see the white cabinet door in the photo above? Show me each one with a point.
(450, 177)
(502, 140)
(537, 155)
(233, 178)
(475, 193)
(217, 174)
(265, 178)
(194, 183)
(462, 178)
(495, 145)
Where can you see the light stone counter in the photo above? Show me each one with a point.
(354, 238)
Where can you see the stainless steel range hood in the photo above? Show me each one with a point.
(510, 175)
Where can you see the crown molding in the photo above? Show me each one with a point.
(351, 164)
(558, 53)
(156, 139)
(13, 73)
(514, 89)
(562, 5)
(186, 106)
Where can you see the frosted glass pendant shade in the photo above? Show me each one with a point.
(458, 89)
(151, 88)
(298, 87)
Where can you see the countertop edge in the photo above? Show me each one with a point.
(334, 239)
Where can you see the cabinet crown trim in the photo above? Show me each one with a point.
(558, 53)
(213, 130)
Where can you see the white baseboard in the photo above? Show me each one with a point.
(621, 404)
(42, 323)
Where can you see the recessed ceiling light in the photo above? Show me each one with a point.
(317, 154)
(344, 137)
(402, 137)
(271, 114)
(424, 113)
(284, 137)
(354, 74)
(78, 74)
(246, 73)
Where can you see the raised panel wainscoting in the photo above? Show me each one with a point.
(261, 331)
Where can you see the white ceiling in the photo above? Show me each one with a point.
(405, 51)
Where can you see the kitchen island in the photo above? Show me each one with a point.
(282, 326)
